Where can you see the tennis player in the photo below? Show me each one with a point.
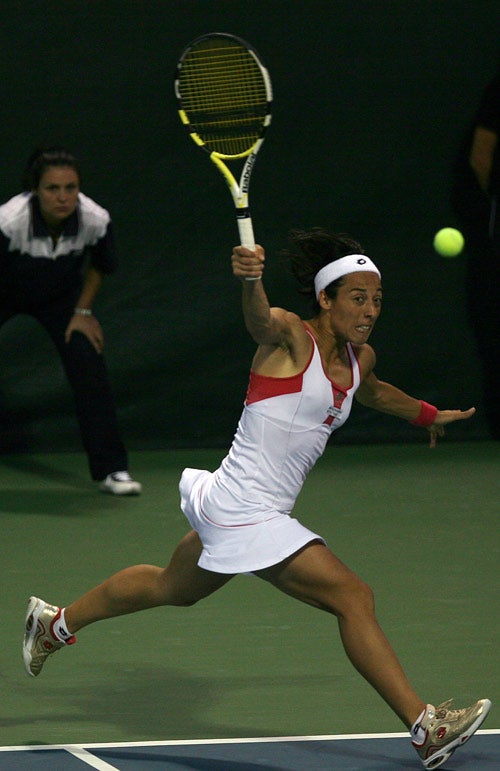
(304, 377)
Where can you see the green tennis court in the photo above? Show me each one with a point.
(419, 525)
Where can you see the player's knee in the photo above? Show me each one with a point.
(362, 597)
(355, 597)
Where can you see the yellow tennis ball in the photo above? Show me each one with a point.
(448, 242)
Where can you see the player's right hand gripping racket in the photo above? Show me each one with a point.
(224, 97)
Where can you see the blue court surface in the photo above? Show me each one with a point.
(376, 752)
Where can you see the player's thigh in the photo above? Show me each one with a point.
(316, 576)
(186, 581)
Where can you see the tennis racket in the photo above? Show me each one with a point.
(224, 98)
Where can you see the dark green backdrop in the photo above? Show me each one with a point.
(372, 98)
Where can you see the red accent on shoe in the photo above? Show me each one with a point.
(71, 640)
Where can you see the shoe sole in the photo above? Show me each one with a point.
(29, 636)
(446, 752)
(133, 491)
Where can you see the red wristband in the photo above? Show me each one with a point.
(427, 415)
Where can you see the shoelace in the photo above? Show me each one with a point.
(442, 713)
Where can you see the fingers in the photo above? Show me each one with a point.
(434, 432)
(464, 414)
(97, 342)
(88, 326)
(444, 417)
(248, 263)
(95, 336)
(448, 416)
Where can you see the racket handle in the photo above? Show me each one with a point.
(245, 230)
(246, 236)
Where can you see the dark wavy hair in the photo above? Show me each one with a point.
(43, 157)
(310, 250)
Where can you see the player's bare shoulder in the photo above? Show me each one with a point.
(291, 350)
(297, 338)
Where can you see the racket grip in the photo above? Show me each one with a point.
(245, 230)
(247, 239)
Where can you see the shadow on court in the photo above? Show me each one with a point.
(32, 485)
(124, 697)
(56, 503)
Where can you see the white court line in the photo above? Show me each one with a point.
(253, 740)
(87, 757)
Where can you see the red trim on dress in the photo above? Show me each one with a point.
(264, 386)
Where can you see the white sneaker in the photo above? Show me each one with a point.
(39, 640)
(446, 729)
(120, 483)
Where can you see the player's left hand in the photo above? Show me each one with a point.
(442, 418)
(88, 326)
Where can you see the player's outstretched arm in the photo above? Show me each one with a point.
(386, 398)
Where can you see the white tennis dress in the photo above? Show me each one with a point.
(242, 510)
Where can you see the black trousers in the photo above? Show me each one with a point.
(88, 377)
(479, 220)
(483, 287)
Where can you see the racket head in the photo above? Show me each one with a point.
(224, 94)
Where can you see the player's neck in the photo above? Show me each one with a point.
(329, 344)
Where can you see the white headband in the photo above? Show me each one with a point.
(352, 263)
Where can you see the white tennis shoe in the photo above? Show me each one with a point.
(39, 639)
(446, 729)
(120, 483)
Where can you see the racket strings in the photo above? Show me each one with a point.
(224, 97)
